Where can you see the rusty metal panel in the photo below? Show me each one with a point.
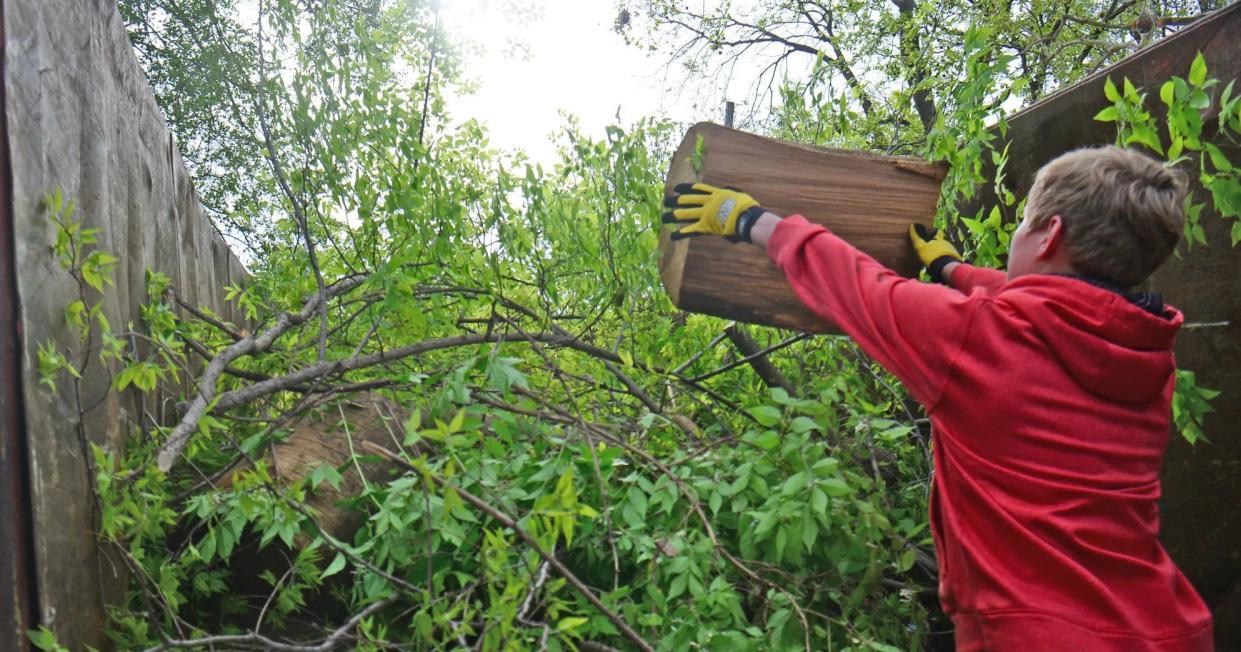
(1201, 506)
(81, 117)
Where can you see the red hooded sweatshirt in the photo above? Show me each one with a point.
(1050, 401)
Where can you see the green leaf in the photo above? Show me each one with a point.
(1236, 232)
(768, 440)
(1167, 92)
(678, 586)
(1218, 159)
(44, 639)
(794, 484)
(1198, 70)
(802, 425)
(423, 624)
(700, 151)
(1174, 150)
(1109, 90)
(766, 523)
(207, 548)
(818, 501)
(835, 486)
(571, 624)
(1109, 114)
(765, 415)
(337, 565)
(1199, 100)
(1146, 136)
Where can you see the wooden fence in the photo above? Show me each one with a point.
(80, 117)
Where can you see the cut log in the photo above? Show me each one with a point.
(868, 199)
(328, 437)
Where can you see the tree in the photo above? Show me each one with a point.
(880, 70)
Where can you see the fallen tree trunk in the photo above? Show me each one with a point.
(868, 199)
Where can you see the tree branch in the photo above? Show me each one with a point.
(299, 211)
(247, 346)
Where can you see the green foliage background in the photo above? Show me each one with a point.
(515, 314)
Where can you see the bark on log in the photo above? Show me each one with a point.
(868, 199)
(324, 438)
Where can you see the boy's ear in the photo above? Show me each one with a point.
(1051, 240)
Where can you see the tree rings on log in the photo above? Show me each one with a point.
(868, 199)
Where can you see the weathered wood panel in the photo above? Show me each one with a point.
(16, 596)
(868, 199)
(81, 117)
(1201, 506)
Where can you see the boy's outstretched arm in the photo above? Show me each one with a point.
(913, 329)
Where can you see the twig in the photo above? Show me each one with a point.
(299, 211)
(746, 360)
(758, 360)
(681, 422)
(694, 358)
(225, 328)
(334, 639)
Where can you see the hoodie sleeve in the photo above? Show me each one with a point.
(913, 329)
(967, 277)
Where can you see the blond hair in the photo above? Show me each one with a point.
(1122, 212)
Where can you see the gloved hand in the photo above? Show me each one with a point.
(934, 250)
(705, 209)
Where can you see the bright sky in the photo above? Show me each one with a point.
(538, 59)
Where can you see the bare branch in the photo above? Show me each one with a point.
(247, 346)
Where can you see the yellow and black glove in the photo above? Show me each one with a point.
(705, 209)
(934, 250)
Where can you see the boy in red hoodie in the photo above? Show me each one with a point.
(1049, 391)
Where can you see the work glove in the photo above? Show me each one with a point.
(705, 209)
(934, 250)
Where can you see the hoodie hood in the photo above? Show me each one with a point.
(1111, 347)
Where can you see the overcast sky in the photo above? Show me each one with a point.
(537, 59)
